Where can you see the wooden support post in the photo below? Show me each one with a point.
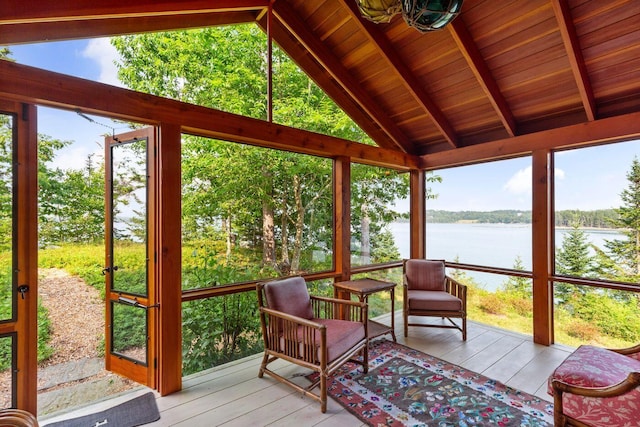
(417, 214)
(26, 245)
(169, 260)
(342, 217)
(543, 247)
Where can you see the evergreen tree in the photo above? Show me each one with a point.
(516, 284)
(626, 253)
(573, 259)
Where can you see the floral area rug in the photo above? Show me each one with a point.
(405, 387)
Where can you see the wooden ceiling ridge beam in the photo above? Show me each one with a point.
(319, 75)
(20, 11)
(107, 27)
(386, 50)
(290, 19)
(478, 65)
(574, 54)
(31, 85)
(611, 129)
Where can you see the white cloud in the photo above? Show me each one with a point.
(520, 183)
(105, 55)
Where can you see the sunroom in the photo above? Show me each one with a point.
(526, 84)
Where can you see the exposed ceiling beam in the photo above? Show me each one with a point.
(386, 50)
(618, 128)
(330, 86)
(20, 11)
(35, 86)
(65, 30)
(478, 66)
(574, 54)
(290, 19)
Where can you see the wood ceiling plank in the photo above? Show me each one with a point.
(64, 30)
(479, 67)
(324, 56)
(35, 86)
(20, 11)
(574, 54)
(387, 51)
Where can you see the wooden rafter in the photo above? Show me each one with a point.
(318, 74)
(478, 66)
(65, 30)
(289, 18)
(32, 85)
(20, 11)
(623, 127)
(386, 50)
(574, 54)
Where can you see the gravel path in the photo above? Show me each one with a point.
(77, 319)
(76, 313)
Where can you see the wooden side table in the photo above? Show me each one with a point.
(363, 288)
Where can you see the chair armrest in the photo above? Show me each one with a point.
(290, 318)
(632, 381)
(337, 308)
(627, 351)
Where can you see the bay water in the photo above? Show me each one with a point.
(494, 245)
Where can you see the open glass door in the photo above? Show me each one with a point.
(18, 256)
(129, 268)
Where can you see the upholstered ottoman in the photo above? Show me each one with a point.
(597, 387)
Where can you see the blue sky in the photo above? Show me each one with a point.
(590, 178)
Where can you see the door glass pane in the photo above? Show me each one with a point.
(6, 217)
(7, 370)
(130, 333)
(130, 217)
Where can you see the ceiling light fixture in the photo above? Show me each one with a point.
(423, 15)
(379, 11)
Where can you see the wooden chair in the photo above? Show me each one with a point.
(309, 332)
(428, 291)
(597, 387)
(17, 418)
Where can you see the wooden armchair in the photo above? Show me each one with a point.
(597, 387)
(428, 291)
(309, 332)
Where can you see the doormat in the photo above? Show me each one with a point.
(405, 387)
(135, 412)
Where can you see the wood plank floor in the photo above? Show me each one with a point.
(233, 395)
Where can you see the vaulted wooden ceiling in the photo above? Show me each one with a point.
(500, 71)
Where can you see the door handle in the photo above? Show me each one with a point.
(23, 289)
(108, 269)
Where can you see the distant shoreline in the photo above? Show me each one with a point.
(478, 222)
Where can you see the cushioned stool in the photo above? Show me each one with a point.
(597, 387)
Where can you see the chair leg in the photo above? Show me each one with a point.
(323, 391)
(365, 358)
(406, 321)
(464, 328)
(263, 366)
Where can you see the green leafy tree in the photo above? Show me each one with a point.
(277, 203)
(72, 204)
